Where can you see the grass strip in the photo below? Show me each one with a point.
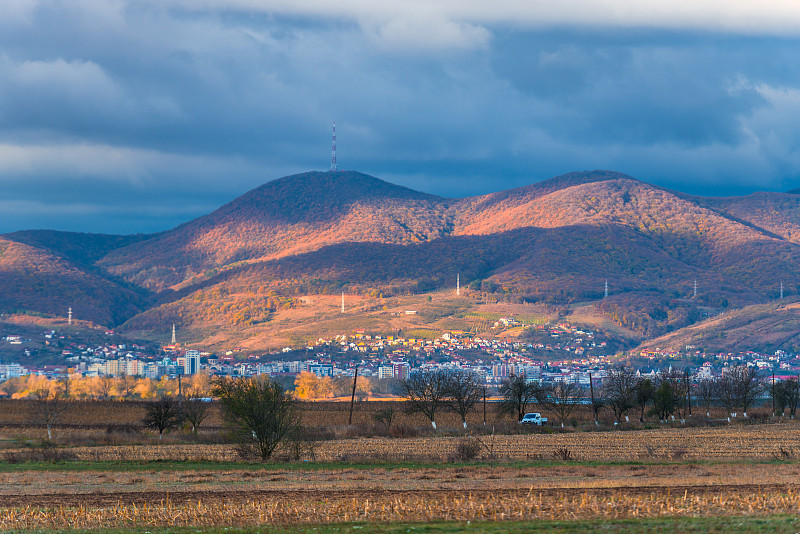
(188, 465)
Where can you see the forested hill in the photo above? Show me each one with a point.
(553, 242)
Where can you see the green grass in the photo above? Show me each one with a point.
(123, 466)
(705, 525)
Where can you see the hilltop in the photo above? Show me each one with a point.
(287, 216)
(231, 274)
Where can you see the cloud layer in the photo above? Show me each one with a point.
(136, 115)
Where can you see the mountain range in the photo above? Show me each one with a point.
(552, 245)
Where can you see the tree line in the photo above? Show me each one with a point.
(260, 415)
(666, 395)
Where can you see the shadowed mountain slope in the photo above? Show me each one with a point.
(80, 248)
(38, 281)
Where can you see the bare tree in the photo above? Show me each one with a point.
(162, 414)
(426, 392)
(194, 409)
(665, 398)
(562, 399)
(706, 391)
(385, 416)
(619, 390)
(676, 390)
(517, 394)
(792, 394)
(645, 391)
(727, 392)
(259, 413)
(463, 393)
(597, 402)
(748, 385)
(780, 397)
(49, 408)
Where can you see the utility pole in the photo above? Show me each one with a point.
(591, 390)
(353, 397)
(484, 405)
(688, 392)
(773, 393)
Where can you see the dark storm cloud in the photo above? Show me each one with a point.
(128, 116)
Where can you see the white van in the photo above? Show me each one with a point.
(533, 419)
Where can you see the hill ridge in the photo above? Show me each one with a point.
(548, 243)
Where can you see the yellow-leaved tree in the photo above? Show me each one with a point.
(309, 386)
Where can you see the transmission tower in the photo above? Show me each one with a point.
(695, 288)
(458, 284)
(333, 148)
(69, 316)
(342, 301)
(173, 334)
(605, 293)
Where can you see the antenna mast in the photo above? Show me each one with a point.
(69, 316)
(173, 333)
(695, 288)
(458, 284)
(333, 149)
(605, 294)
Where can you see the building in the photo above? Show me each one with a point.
(385, 371)
(321, 369)
(191, 362)
(400, 370)
(133, 367)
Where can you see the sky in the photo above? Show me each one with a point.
(133, 116)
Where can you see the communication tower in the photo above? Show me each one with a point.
(605, 293)
(695, 288)
(342, 301)
(781, 289)
(173, 334)
(333, 149)
(69, 316)
(458, 284)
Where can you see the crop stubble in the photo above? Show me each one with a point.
(729, 484)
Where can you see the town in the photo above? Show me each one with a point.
(551, 353)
